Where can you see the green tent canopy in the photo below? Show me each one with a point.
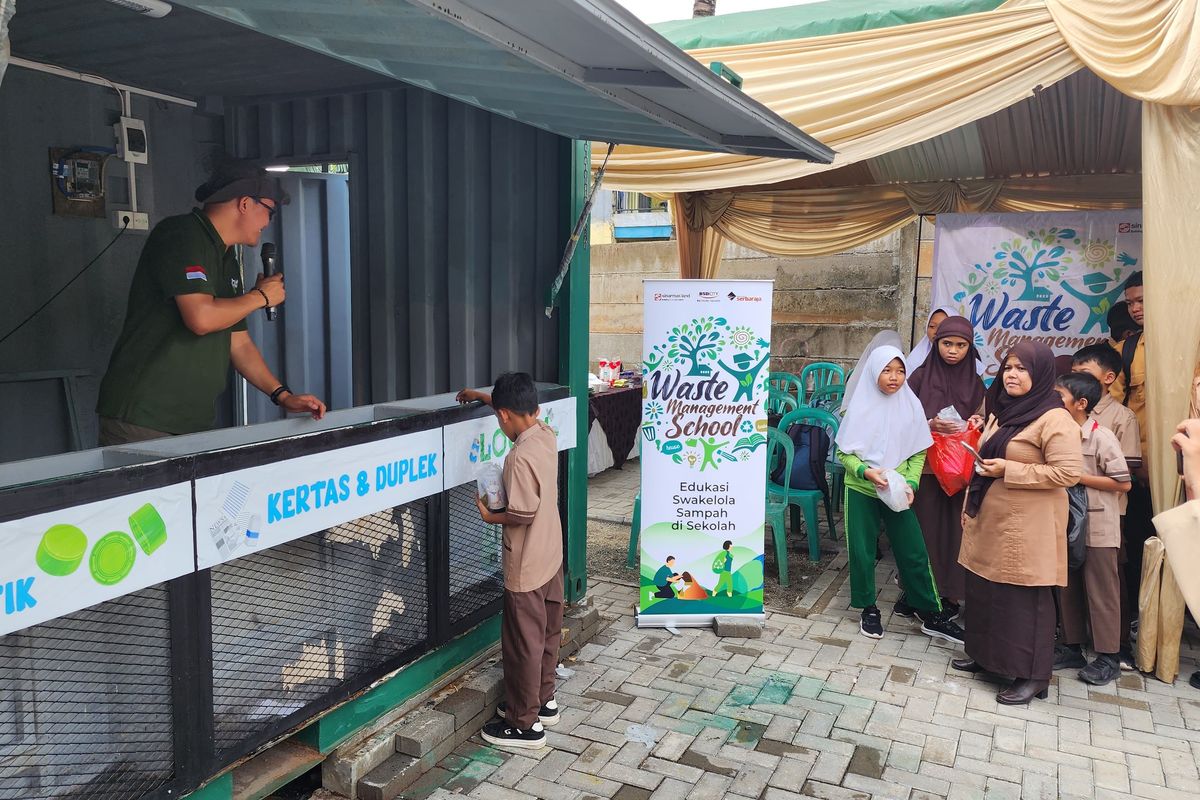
(814, 19)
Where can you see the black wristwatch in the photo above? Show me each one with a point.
(283, 387)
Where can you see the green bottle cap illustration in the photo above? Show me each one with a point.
(61, 550)
(148, 528)
(112, 558)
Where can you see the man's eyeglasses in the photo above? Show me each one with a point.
(270, 209)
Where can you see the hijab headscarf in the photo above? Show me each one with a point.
(923, 348)
(920, 353)
(883, 430)
(939, 384)
(1014, 414)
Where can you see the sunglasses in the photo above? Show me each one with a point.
(270, 209)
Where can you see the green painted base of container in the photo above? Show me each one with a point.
(344, 721)
(219, 788)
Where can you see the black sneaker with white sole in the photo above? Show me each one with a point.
(547, 714)
(939, 626)
(903, 609)
(499, 732)
(951, 608)
(870, 625)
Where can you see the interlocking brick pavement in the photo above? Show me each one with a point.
(611, 493)
(813, 709)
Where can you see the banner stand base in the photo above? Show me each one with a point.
(685, 620)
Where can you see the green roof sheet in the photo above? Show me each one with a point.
(814, 19)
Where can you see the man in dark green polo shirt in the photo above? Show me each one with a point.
(186, 320)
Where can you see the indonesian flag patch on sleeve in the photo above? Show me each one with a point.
(195, 273)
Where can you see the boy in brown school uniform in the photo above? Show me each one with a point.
(1092, 596)
(533, 579)
(1104, 364)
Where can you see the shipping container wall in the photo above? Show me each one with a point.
(40, 252)
(456, 230)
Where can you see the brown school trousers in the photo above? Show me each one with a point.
(1093, 595)
(529, 638)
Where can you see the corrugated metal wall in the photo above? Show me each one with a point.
(456, 229)
(309, 343)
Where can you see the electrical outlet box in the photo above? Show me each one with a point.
(133, 220)
(131, 140)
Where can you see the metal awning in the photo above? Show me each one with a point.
(585, 69)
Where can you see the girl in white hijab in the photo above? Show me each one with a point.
(884, 430)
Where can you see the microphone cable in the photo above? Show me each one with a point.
(66, 286)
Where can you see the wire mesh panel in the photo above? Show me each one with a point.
(295, 621)
(85, 703)
(476, 574)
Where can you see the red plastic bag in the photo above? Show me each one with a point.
(950, 462)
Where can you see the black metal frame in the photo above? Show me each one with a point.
(190, 597)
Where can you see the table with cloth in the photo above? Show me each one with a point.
(614, 416)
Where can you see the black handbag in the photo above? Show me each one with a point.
(1077, 526)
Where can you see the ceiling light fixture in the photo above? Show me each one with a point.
(150, 8)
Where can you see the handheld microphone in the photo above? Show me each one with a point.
(269, 266)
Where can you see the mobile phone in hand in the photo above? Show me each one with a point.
(974, 453)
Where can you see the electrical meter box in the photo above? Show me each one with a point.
(131, 140)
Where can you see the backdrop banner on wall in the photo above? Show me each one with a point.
(706, 350)
(1051, 277)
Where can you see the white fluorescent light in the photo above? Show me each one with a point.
(150, 8)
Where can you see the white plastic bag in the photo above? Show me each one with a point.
(950, 414)
(491, 487)
(895, 496)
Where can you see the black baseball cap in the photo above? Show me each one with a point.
(233, 179)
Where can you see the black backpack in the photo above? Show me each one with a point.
(1077, 526)
(811, 446)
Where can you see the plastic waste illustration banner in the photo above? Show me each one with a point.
(706, 356)
(1052, 277)
(241, 512)
(66, 560)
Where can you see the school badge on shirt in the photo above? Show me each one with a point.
(195, 273)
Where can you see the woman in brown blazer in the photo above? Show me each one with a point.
(1014, 525)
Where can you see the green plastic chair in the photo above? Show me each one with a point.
(780, 453)
(829, 398)
(806, 500)
(822, 374)
(780, 402)
(788, 383)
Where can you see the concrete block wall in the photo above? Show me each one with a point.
(826, 308)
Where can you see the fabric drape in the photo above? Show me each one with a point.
(812, 222)
(700, 245)
(866, 93)
(1171, 143)
(1149, 49)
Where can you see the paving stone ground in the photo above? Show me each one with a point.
(611, 493)
(813, 709)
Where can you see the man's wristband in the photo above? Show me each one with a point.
(275, 394)
(266, 300)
